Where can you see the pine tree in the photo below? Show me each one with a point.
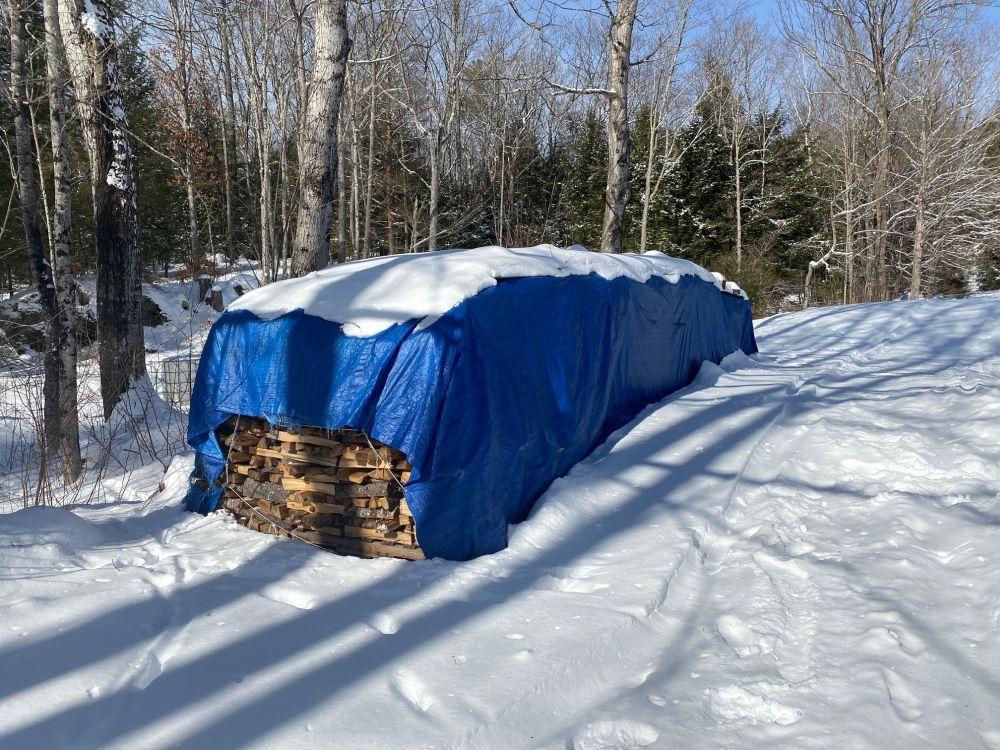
(697, 201)
(786, 216)
(584, 182)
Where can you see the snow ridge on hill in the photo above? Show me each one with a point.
(796, 551)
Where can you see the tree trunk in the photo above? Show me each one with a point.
(619, 145)
(390, 230)
(432, 209)
(192, 206)
(62, 250)
(369, 177)
(318, 160)
(738, 203)
(180, 19)
(229, 128)
(227, 184)
(918, 248)
(341, 194)
(849, 285)
(879, 285)
(849, 296)
(88, 36)
(647, 196)
(31, 218)
(919, 224)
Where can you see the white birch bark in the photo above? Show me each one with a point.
(62, 248)
(87, 28)
(318, 160)
(619, 142)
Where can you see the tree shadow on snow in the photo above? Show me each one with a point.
(111, 718)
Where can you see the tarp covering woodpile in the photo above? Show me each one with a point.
(492, 370)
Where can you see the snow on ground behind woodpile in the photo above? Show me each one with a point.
(368, 296)
(116, 455)
(797, 551)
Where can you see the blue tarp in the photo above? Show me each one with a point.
(490, 403)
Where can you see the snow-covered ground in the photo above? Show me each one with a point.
(125, 458)
(799, 551)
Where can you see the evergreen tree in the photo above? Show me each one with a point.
(584, 180)
(785, 215)
(697, 213)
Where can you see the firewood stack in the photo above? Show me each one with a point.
(337, 489)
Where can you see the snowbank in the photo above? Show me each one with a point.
(369, 296)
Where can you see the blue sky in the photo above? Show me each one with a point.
(764, 9)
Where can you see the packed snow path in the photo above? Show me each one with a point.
(800, 551)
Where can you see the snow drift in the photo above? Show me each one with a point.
(493, 370)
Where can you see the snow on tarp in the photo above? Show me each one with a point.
(367, 297)
(494, 370)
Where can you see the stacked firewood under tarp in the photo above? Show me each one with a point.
(337, 489)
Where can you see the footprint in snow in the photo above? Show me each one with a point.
(385, 624)
(904, 701)
(569, 585)
(743, 639)
(285, 594)
(732, 703)
(614, 734)
(412, 689)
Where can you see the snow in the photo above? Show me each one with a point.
(93, 19)
(798, 550)
(116, 455)
(369, 296)
(116, 177)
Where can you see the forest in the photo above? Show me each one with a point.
(859, 139)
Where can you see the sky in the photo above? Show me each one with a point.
(765, 8)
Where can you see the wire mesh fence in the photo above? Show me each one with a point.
(173, 379)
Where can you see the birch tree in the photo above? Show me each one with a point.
(660, 150)
(318, 157)
(29, 195)
(65, 344)
(87, 28)
(619, 135)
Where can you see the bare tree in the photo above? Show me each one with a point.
(62, 248)
(181, 18)
(865, 52)
(862, 47)
(87, 28)
(946, 131)
(31, 218)
(741, 81)
(432, 58)
(661, 154)
(619, 136)
(318, 157)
